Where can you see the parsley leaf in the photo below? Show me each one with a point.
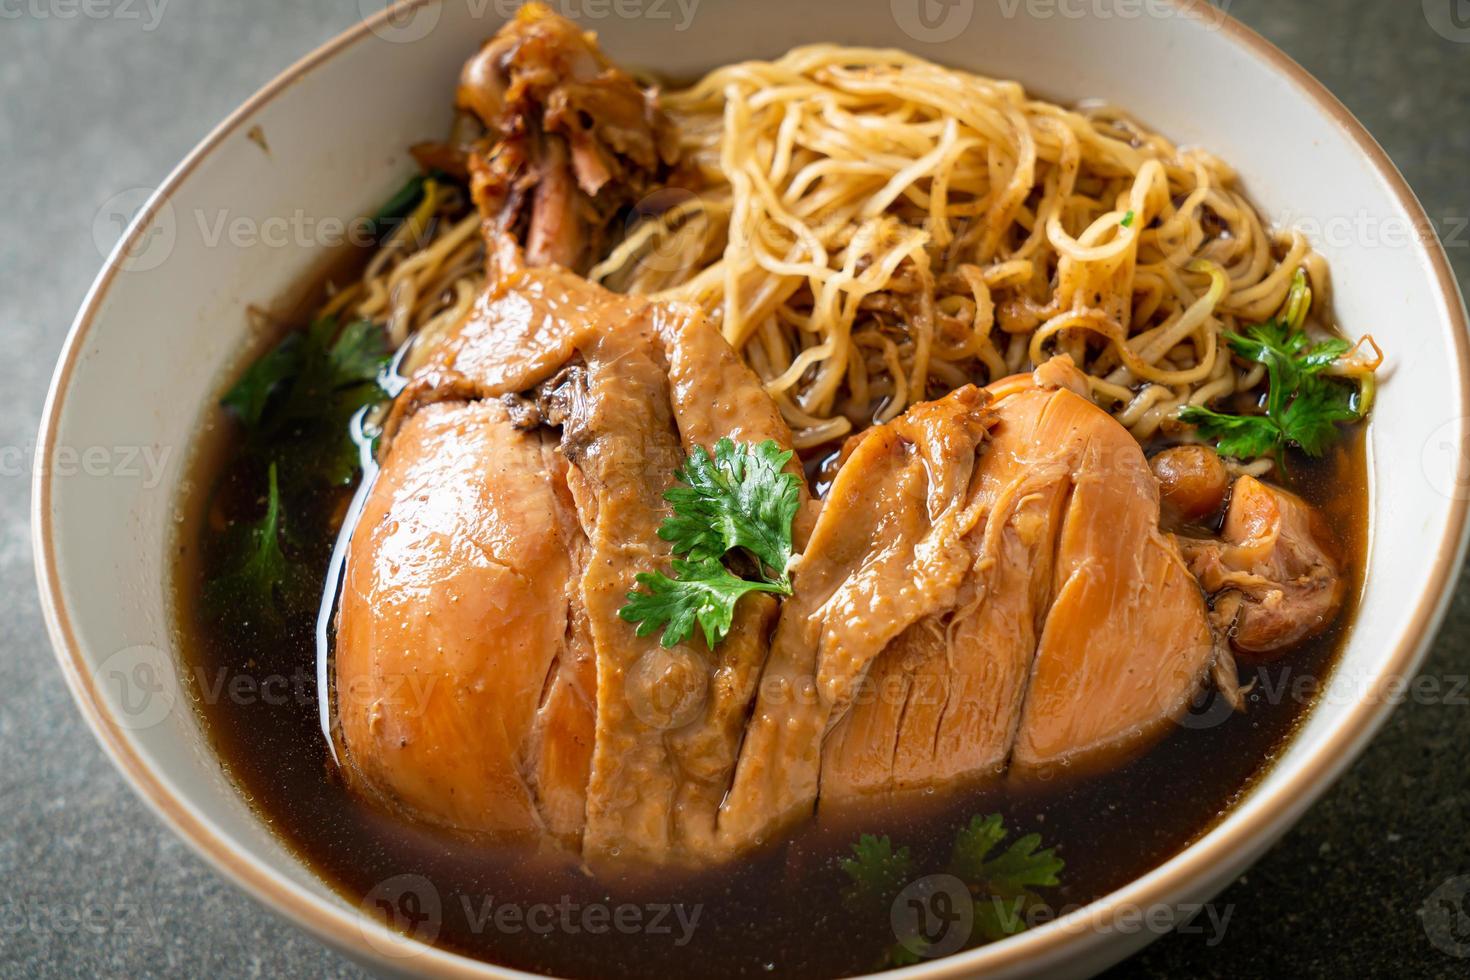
(359, 353)
(339, 377)
(339, 369)
(1003, 882)
(297, 401)
(973, 843)
(1311, 419)
(292, 381)
(296, 404)
(1014, 871)
(1320, 356)
(262, 580)
(250, 395)
(741, 497)
(703, 592)
(1127, 221)
(876, 873)
(997, 917)
(1302, 406)
(1240, 436)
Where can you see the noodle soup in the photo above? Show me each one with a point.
(845, 472)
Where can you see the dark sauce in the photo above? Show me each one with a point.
(777, 912)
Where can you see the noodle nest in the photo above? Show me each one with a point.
(869, 230)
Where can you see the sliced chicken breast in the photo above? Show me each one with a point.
(1127, 641)
(614, 742)
(454, 625)
(986, 587)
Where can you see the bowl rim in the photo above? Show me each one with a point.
(1260, 817)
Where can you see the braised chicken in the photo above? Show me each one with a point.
(600, 737)
(569, 409)
(986, 587)
(461, 578)
(1193, 482)
(1274, 570)
(984, 592)
(572, 139)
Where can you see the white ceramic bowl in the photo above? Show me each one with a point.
(325, 141)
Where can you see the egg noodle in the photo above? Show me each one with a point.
(869, 229)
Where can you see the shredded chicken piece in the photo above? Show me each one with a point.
(572, 138)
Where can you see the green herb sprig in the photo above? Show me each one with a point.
(1005, 882)
(740, 499)
(297, 401)
(1002, 880)
(295, 405)
(260, 579)
(1303, 406)
(876, 872)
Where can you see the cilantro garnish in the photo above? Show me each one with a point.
(876, 871)
(296, 404)
(340, 371)
(1240, 436)
(1002, 881)
(297, 401)
(1302, 406)
(252, 393)
(740, 499)
(703, 592)
(1011, 872)
(261, 579)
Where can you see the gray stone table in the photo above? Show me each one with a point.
(100, 96)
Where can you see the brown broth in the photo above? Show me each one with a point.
(777, 912)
